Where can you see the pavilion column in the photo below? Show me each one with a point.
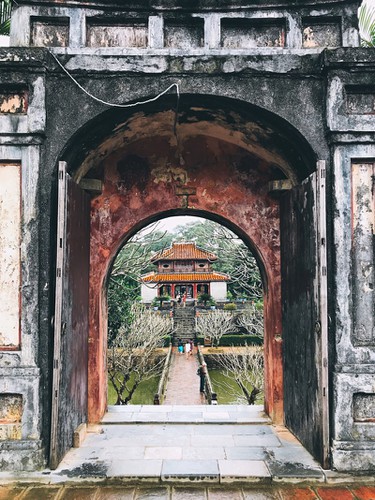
(195, 290)
(172, 291)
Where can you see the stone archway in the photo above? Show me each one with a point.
(225, 160)
(216, 161)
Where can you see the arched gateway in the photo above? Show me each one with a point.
(228, 161)
(276, 100)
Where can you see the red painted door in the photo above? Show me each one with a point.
(69, 392)
(304, 309)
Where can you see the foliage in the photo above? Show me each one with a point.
(251, 319)
(231, 306)
(121, 294)
(132, 358)
(5, 13)
(229, 339)
(160, 299)
(235, 258)
(366, 21)
(205, 298)
(246, 368)
(124, 287)
(214, 324)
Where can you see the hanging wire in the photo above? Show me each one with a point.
(131, 105)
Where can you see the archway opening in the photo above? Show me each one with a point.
(229, 162)
(200, 286)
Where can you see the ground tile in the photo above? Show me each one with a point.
(268, 440)
(135, 468)
(76, 493)
(298, 494)
(334, 494)
(199, 470)
(203, 453)
(257, 494)
(41, 493)
(189, 494)
(163, 452)
(155, 493)
(114, 493)
(125, 452)
(244, 453)
(243, 470)
(224, 494)
(218, 440)
(10, 493)
(364, 492)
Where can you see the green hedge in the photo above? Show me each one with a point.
(236, 340)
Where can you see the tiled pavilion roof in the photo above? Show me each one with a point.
(184, 277)
(184, 251)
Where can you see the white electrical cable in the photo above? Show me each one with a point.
(131, 105)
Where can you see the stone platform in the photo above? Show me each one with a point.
(187, 452)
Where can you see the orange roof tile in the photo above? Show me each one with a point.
(184, 251)
(184, 277)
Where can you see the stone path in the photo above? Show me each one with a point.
(183, 382)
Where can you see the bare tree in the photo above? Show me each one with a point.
(214, 324)
(245, 366)
(251, 319)
(133, 358)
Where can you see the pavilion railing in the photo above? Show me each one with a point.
(211, 396)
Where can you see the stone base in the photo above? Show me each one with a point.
(16, 456)
(353, 457)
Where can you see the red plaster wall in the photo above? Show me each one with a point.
(141, 182)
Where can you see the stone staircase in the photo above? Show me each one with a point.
(184, 324)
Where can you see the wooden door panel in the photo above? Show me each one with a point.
(304, 308)
(69, 396)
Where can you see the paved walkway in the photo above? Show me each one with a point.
(183, 382)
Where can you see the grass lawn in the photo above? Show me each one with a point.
(228, 392)
(143, 395)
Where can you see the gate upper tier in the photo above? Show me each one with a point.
(167, 26)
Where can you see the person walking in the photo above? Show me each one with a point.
(187, 348)
(184, 297)
(191, 347)
(202, 370)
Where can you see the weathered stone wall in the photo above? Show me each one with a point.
(352, 124)
(262, 60)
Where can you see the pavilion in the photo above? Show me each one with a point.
(184, 268)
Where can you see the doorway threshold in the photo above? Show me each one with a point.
(186, 414)
(189, 444)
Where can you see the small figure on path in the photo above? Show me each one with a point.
(180, 347)
(187, 348)
(184, 297)
(202, 375)
(178, 299)
(191, 347)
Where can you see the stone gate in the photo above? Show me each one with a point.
(271, 133)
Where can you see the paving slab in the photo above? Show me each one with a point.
(135, 469)
(190, 470)
(203, 453)
(243, 471)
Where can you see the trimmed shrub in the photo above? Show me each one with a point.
(231, 306)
